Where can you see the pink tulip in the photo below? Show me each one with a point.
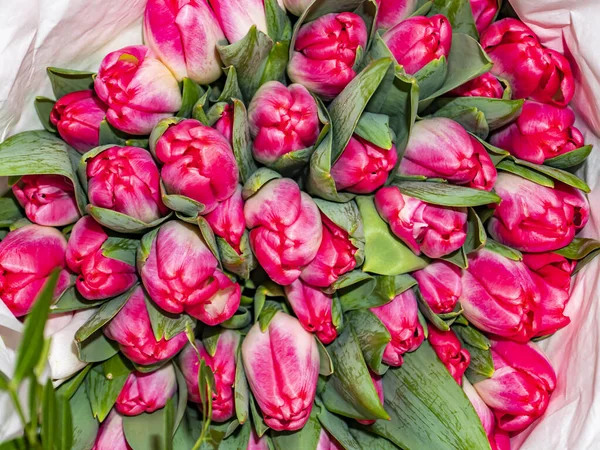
(430, 229)
(286, 229)
(535, 218)
(222, 305)
(448, 348)
(236, 18)
(401, 318)
(392, 12)
(98, 277)
(224, 124)
(282, 120)
(48, 199)
(328, 442)
(257, 443)
(126, 180)
(363, 167)
(198, 163)
(28, 256)
(132, 329)
(440, 285)
(77, 118)
(557, 85)
(484, 12)
(554, 269)
(378, 383)
(111, 435)
(223, 364)
(486, 85)
(334, 258)
(417, 41)
(282, 367)
(441, 148)
(297, 7)
(184, 35)
(541, 132)
(519, 391)
(325, 52)
(146, 392)
(139, 90)
(227, 219)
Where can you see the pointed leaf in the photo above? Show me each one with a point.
(65, 81)
(570, 159)
(445, 194)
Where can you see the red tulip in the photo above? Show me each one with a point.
(146, 392)
(392, 12)
(484, 12)
(486, 85)
(227, 219)
(448, 348)
(237, 17)
(440, 285)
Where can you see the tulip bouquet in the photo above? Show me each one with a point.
(295, 225)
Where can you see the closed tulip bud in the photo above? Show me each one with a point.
(392, 12)
(557, 86)
(286, 229)
(378, 383)
(520, 389)
(486, 85)
(297, 7)
(236, 18)
(138, 89)
(282, 367)
(447, 347)
(198, 163)
(146, 392)
(433, 230)
(484, 12)
(47, 199)
(440, 285)
(227, 219)
(417, 41)
(328, 442)
(540, 132)
(224, 124)
(99, 277)
(28, 256)
(282, 120)
(534, 218)
(554, 269)
(325, 52)
(222, 305)
(401, 318)
(126, 180)
(441, 148)
(184, 35)
(111, 435)
(77, 118)
(257, 443)
(132, 329)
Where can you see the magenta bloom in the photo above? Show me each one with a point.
(448, 348)
(111, 435)
(224, 124)
(47, 199)
(440, 285)
(77, 118)
(484, 12)
(227, 219)
(236, 18)
(486, 85)
(328, 442)
(392, 12)
(146, 392)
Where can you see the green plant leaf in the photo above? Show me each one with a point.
(72, 300)
(459, 15)
(481, 358)
(557, 174)
(121, 249)
(65, 81)
(503, 250)
(305, 438)
(85, 427)
(241, 264)
(43, 108)
(231, 89)
(372, 336)
(579, 248)
(241, 143)
(428, 313)
(497, 112)
(96, 348)
(375, 128)
(325, 363)
(241, 391)
(145, 431)
(476, 236)
(121, 222)
(508, 165)
(109, 135)
(257, 180)
(445, 194)
(166, 325)
(191, 93)
(10, 211)
(104, 383)
(432, 76)
(570, 159)
(68, 388)
(50, 426)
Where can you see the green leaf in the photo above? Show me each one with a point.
(121, 249)
(497, 112)
(241, 319)
(337, 427)
(85, 427)
(191, 93)
(231, 90)
(459, 15)
(257, 180)
(432, 76)
(291, 163)
(65, 81)
(50, 426)
(10, 211)
(557, 174)
(570, 159)
(508, 165)
(432, 317)
(503, 250)
(267, 313)
(445, 194)
(169, 425)
(69, 388)
(72, 300)
(278, 23)
(104, 383)
(109, 135)
(372, 336)
(96, 348)
(375, 128)
(457, 257)
(579, 248)
(241, 264)
(121, 222)
(145, 431)
(306, 438)
(476, 236)
(241, 391)
(241, 143)
(166, 325)
(257, 419)
(481, 358)
(325, 363)
(43, 108)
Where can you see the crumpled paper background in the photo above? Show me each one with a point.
(78, 33)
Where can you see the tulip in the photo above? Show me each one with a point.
(554, 269)
(236, 18)
(535, 218)
(282, 120)
(401, 318)
(282, 367)
(257, 443)
(392, 12)
(541, 132)
(146, 392)
(448, 349)
(132, 330)
(77, 118)
(334, 258)
(378, 383)
(224, 124)
(111, 435)
(126, 180)
(198, 163)
(484, 12)
(28, 256)
(222, 305)
(227, 219)
(297, 7)
(48, 199)
(486, 85)
(286, 229)
(138, 89)
(440, 285)
(430, 229)
(519, 391)
(417, 41)
(325, 52)
(328, 442)
(500, 296)
(363, 167)
(441, 148)
(99, 277)
(557, 85)
(222, 364)
(184, 35)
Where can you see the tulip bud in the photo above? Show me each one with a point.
(257, 443)
(325, 52)
(282, 367)
(146, 392)
(441, 148)
(535, 218)
(236, 18)
(378, 383)
(111, 435)
(557, 85)
(297, 7)
(401, 318)
(282, 120)
(447, 347)
(77, 118)
(286, 229)
(48, 199)
(224, 124)
(28, 256)
(184, 35)
(488, 421)
(486, 85)
(392, 12)
(433, 230)
(519, 391)
(540, 132)
(484, 12)
(328, 442)
(126, 180)
(440, 285)
(139, 90)
(132, 329)
(99, 277)
(554, 269)
(417, 41)
(227, 219)
(198, 163)
(222, 305)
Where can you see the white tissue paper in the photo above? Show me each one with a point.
(78, 33)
